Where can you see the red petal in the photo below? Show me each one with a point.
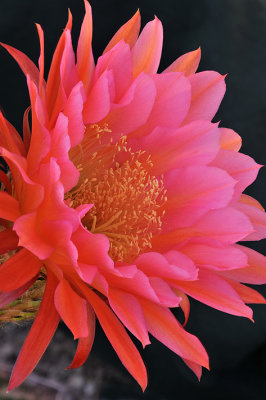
(72, 309)
(85, 343)
(18, 270)
(27, 66)
(42, 331)
(8, 240)
(9, 207)
(119, 339)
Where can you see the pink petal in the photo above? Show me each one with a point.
(135, 108)
(42, 331)
(215, 258)
(207, 91)
(240, 166)
(171, 103)
(19, 269)
(164, 292)
(98, 102)
(192, 191)
(254, 273)
(72, 309)
(148, 48)
(214, 291)
(128, 310)
(165, 328)
(73, 111)
(187, 63)
(170, 266)
(193, 144)
(256, 216)
(119, 61)
(230, 140)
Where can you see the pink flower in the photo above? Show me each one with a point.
(129, 198)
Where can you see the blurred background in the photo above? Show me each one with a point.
(232, 35)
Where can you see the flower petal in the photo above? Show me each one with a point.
(85, 63)
(165, 328)
(128, 310)
(128, 32)
(9, 207)
(214, 291)
(85, 343)
(148, 48)
(187, 63)
(119, 339)
(72, 309)
(18, 270)
(42, 331)
(207, 91)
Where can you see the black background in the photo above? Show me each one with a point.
(232, 35)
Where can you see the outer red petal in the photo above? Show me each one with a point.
(8, 240)
(72, 309)
(41, 333)
(18, 270)
(85, 343)
(119, 339)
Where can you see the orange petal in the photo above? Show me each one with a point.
(42, 331)
(230, 140)
(128, 32)
(187, 63)
(41, 58)
(148, 48)
(85, 62)
(27, 66)
(53, 80)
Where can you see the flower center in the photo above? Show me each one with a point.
(128, 200)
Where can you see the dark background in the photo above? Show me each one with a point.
(232, 35)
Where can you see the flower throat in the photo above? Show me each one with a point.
(128, 201)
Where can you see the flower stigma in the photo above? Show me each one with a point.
(128, 200)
